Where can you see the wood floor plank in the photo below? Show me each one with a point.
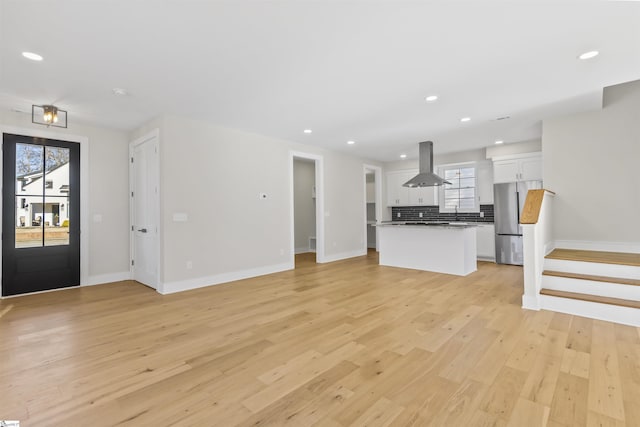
(528, 413)
(569, 406)
(622, 258)
(605, 385)
(333, 344)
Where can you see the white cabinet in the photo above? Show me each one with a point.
(486, 242)
(422, 196)
(522, 168)
(484, 183)
(397, 195)
(531, 169)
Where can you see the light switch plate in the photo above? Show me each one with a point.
(180, 217)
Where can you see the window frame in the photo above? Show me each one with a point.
(476, 198)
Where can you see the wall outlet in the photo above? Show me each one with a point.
(420, 214)
(189, 265)
(262, 196)
(398, 214)
(481, 214)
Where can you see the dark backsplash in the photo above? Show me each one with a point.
(432, 213)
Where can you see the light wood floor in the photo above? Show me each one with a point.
(621, 258)
(346, 343)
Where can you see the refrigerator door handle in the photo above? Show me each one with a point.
(517, 207)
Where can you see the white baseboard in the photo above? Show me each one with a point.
(548, 247)
(107, 278)
(530, 303)
(344, 255)
(302, 250)
(201, 282)
(588, 245)
(486, 258)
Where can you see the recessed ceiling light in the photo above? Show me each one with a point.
(307, 131)
(117, 91)
(431, 98)
(589, 55)
(351, 142)
(465, 119)
(499, 141)
(32, 56)
(403, 156)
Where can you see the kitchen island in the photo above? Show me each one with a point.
(439, 247)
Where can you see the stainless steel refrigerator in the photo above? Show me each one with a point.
(508, 201)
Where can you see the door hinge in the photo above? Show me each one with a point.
(132, 194)
(132, 228)
(133, 262)
(132, 160)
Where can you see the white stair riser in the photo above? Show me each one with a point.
(605, 289)
(593, 310)
(593, 268)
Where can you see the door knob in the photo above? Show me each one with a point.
(143, 230)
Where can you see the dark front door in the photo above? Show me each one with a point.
(40, 214)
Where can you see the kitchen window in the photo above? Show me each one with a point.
(462, 193)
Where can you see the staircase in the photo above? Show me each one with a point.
(599, 285)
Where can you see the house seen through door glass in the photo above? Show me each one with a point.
(42, 196)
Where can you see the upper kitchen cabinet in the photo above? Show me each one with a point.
(525, 167)
(484, 176)
(422, 196)
(397, 195)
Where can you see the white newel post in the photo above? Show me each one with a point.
(537, 242)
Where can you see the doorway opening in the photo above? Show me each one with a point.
(372, 206)
(307, 221)
(304, 209)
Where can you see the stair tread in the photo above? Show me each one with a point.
(618, 280)
(620, 258)
(591, 298)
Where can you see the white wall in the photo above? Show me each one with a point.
(591, 162)
(108, 250)
(215, 175)
(304, 207)
(532, 146)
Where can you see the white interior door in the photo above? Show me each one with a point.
(145, 174)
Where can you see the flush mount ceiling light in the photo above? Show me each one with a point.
(499, 141)
(48, 115)
(589, 55)
(465, 119)
(307, 131)
(403, 156)
(351, 142)
(117, 91)
(32, 56)
(431, 98)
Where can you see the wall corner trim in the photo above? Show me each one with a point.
(530, 303)
(343, 255)
(102, 279)
(218, 279)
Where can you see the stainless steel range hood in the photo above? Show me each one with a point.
(426, 177)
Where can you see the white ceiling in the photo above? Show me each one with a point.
(348, 70)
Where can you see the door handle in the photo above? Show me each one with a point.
(142, 230)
